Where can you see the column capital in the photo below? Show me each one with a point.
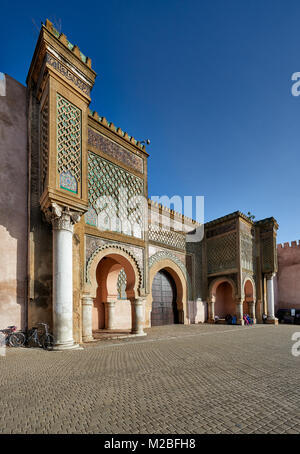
(61, 218)
(87, 300)
(110, 302)
(139, 301)
(270, 276)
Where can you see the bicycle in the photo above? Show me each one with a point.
(12, 337)
(44, 340)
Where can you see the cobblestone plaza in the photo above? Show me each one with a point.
(179, 379)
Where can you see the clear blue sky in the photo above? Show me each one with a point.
(209, 82)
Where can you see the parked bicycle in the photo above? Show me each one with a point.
(37, 337)
(13, 337)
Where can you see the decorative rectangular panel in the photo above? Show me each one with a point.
(114, 150)
(167, 237)
(44, 143)
(247, 252)
(68, 145)
(107, 181)
(221, 253)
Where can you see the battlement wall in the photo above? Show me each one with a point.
(288, 276)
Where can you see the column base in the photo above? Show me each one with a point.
(272, 321)
(87, 339)
(71, 346)
(138, 334)
(211, 321)
(240, 322)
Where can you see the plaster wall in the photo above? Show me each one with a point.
(287, 294)
(13, 203)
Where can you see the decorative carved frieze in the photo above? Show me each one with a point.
(220, 230)
(115, 150)
(69, 75)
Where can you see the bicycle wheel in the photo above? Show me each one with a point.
(47, 342)
(16, 340)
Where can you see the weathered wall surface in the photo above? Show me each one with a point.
(13, 204)
(40, 234)
(288, 276)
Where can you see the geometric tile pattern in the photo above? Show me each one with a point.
(268, 246)
(247, 252)
(68, 144)
(107, 179)
(44, 143)
(221, 253)
(167, 237)
(121, 285)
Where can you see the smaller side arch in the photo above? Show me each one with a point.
(90, 285)
(216, 282)
(249, 278)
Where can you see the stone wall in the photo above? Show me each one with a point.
(288, 276)
(13, 203)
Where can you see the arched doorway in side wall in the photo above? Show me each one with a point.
(116, 281)
(224, 300)
(249, 298)
(164, 304)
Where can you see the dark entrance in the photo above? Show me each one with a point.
(164, 308)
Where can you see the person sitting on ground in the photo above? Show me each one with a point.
(228, 319)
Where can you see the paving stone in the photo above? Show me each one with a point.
(178, 379)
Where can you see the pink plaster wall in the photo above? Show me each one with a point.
(13, 205)
(287, 287)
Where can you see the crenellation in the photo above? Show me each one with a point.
(287, 245)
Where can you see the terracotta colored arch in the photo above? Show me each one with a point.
(216, 282)
(122, 258)
(249, 280)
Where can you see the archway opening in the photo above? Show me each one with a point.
(165, 296)
(116, 284)
(249, 297)
(224, 301)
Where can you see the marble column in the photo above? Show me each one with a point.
(239, 311)
(62, 223)
(87, 308)
(138, 306)
(251, 305)
(110, 314)
(211, 311)
(270, 298)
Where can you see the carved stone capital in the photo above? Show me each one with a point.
(139, 301)
(61, 218)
